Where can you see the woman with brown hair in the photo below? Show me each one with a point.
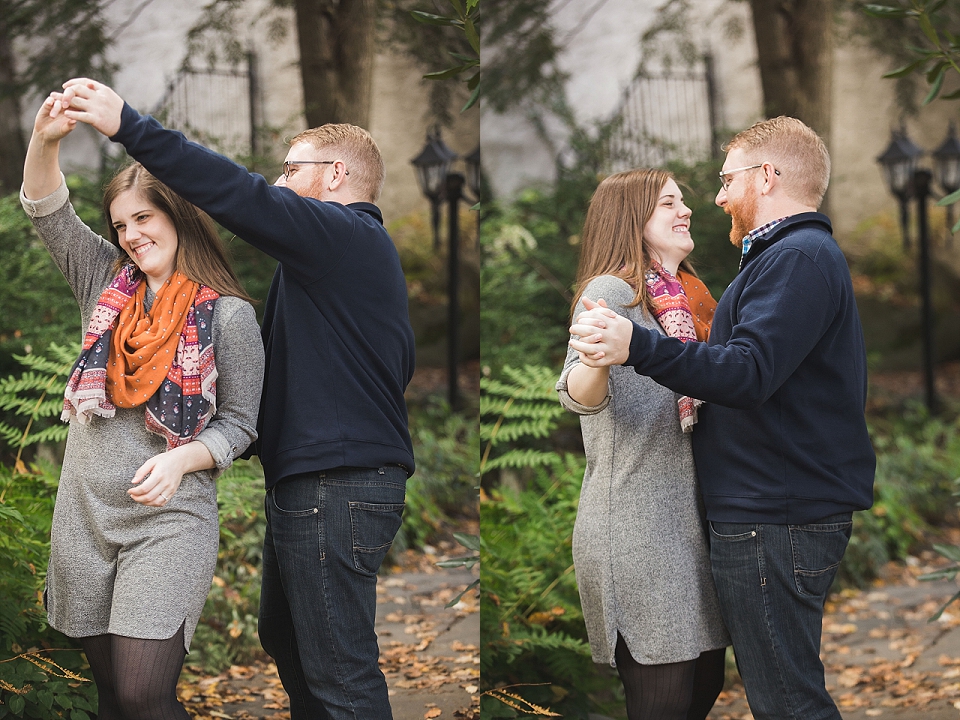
(161, 400)
(639, 546)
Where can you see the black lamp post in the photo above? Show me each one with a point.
(947, 158)
(899, 161)
(438, 184)
(921, 191)
(432, 166)
(907, 181)
(454, 194)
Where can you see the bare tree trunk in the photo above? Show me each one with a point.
(12, 146)
(795, 53)
(795, 48)
(337, 49)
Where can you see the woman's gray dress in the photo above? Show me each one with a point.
(639, 546)
(117, 566)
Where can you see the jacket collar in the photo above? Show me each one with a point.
(369, 209)
(807, 219)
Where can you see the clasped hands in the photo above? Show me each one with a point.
(88, 101)
(604, 335)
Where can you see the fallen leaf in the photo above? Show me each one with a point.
(850, 677)
(840, 628)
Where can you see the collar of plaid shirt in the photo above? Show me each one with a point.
(758, 232)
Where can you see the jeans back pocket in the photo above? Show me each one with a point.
(817, 552)
(374, 526)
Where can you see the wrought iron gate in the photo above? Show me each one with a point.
(666, 117)
(217, 108)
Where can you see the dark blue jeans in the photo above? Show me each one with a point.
(327, 534)
(772, 581)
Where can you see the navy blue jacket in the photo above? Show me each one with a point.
(337, 336)
(783, 437)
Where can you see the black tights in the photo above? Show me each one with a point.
(674, 691)
(136, 679)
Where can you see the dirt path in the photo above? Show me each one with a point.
(429, 654)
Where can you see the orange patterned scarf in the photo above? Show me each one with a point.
(144, 345)
(163, 360)
(684, 308)
(702, 304)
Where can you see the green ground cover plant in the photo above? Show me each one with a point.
(918, 466)
(43, 674)
(533, 640)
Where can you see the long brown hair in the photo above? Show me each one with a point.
(612, 242)
(200, 252)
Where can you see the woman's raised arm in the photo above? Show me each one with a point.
(41, 170)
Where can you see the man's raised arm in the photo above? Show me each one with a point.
(272, 219)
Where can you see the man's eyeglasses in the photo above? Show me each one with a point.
(287, 164)
(725, 180)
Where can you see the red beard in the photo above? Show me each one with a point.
(743, 213)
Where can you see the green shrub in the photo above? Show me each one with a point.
(227, 632)
(918, 464)
(528, 268)
(43, 673)
(523, 407)
(36, 678)
(38, 306)
(531, 625)
(35, 400)
(446, 446)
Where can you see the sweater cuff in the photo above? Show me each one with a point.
(572, 405)
(47, 205)
(219, 448)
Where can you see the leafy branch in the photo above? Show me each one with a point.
(470, 542)
(933, 62)
(523, 405)
(518, 703)
(951, 552)
(465, 18)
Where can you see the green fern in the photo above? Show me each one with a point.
(531, 623)
(35, 398)
(13, 623)
(41, 671)
(523, 405)
(517, 458)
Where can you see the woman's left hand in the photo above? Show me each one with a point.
(157, 479)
